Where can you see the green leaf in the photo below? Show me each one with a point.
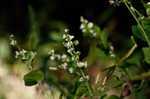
(115, 83)
(140, 95)
(114, 97)
(33, 35)
(135, 59)
(33, 77)
(137, 33)
(104, 37)
(146, 51)
(146, 21)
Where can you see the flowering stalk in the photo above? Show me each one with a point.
(70, 61)
(20, 53)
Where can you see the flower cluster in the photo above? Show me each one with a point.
(68, 61)
(111, 51)
(13, 42)
(25, 55)
(84, 78)
(114, 2)
(22, 54)
(88, 28)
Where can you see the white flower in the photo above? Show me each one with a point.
(90, 25)
(86, 21)
(91, 31)
(82, 19)
(71, 70)
(63, 56)
(13, 42)
(111, 1)
(81, 26)
(64, 36)
(148, 3)
(67, 59)
(82, 64)
(17, 54)
(70, 50)
(87, 77)
(11, 35)
(94, 34)
(84, 30)
(72, 58)
(85, 64)
(64, 65)
(115, 2)
(81, 79)
(24, 51)
(52, 57)
(112, 48)
(68, 44)
(51, 52)
(112, 55)
(66, 30)
(71, 37)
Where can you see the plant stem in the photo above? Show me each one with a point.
(87, 84)
(142, 76)
(138, 22)
(128, 54)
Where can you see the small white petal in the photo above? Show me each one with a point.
(111, 47)
(87, 77)
(112, 55)
(90, 25)
(71, 37)
(64, 36)
(11, 35)
(94, 34)
(64, 65)
(91, 31)
(111, 1)
(81, 26)
(86, 21)
(12, 42)
(68, 44)
(63, 56)
(17, 54)
(71, 70)
(66, 30)
(84, 30)
(148, 3)
(81, 79)
(52, 58)
(51, 52)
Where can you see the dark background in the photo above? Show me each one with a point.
(14, 16)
